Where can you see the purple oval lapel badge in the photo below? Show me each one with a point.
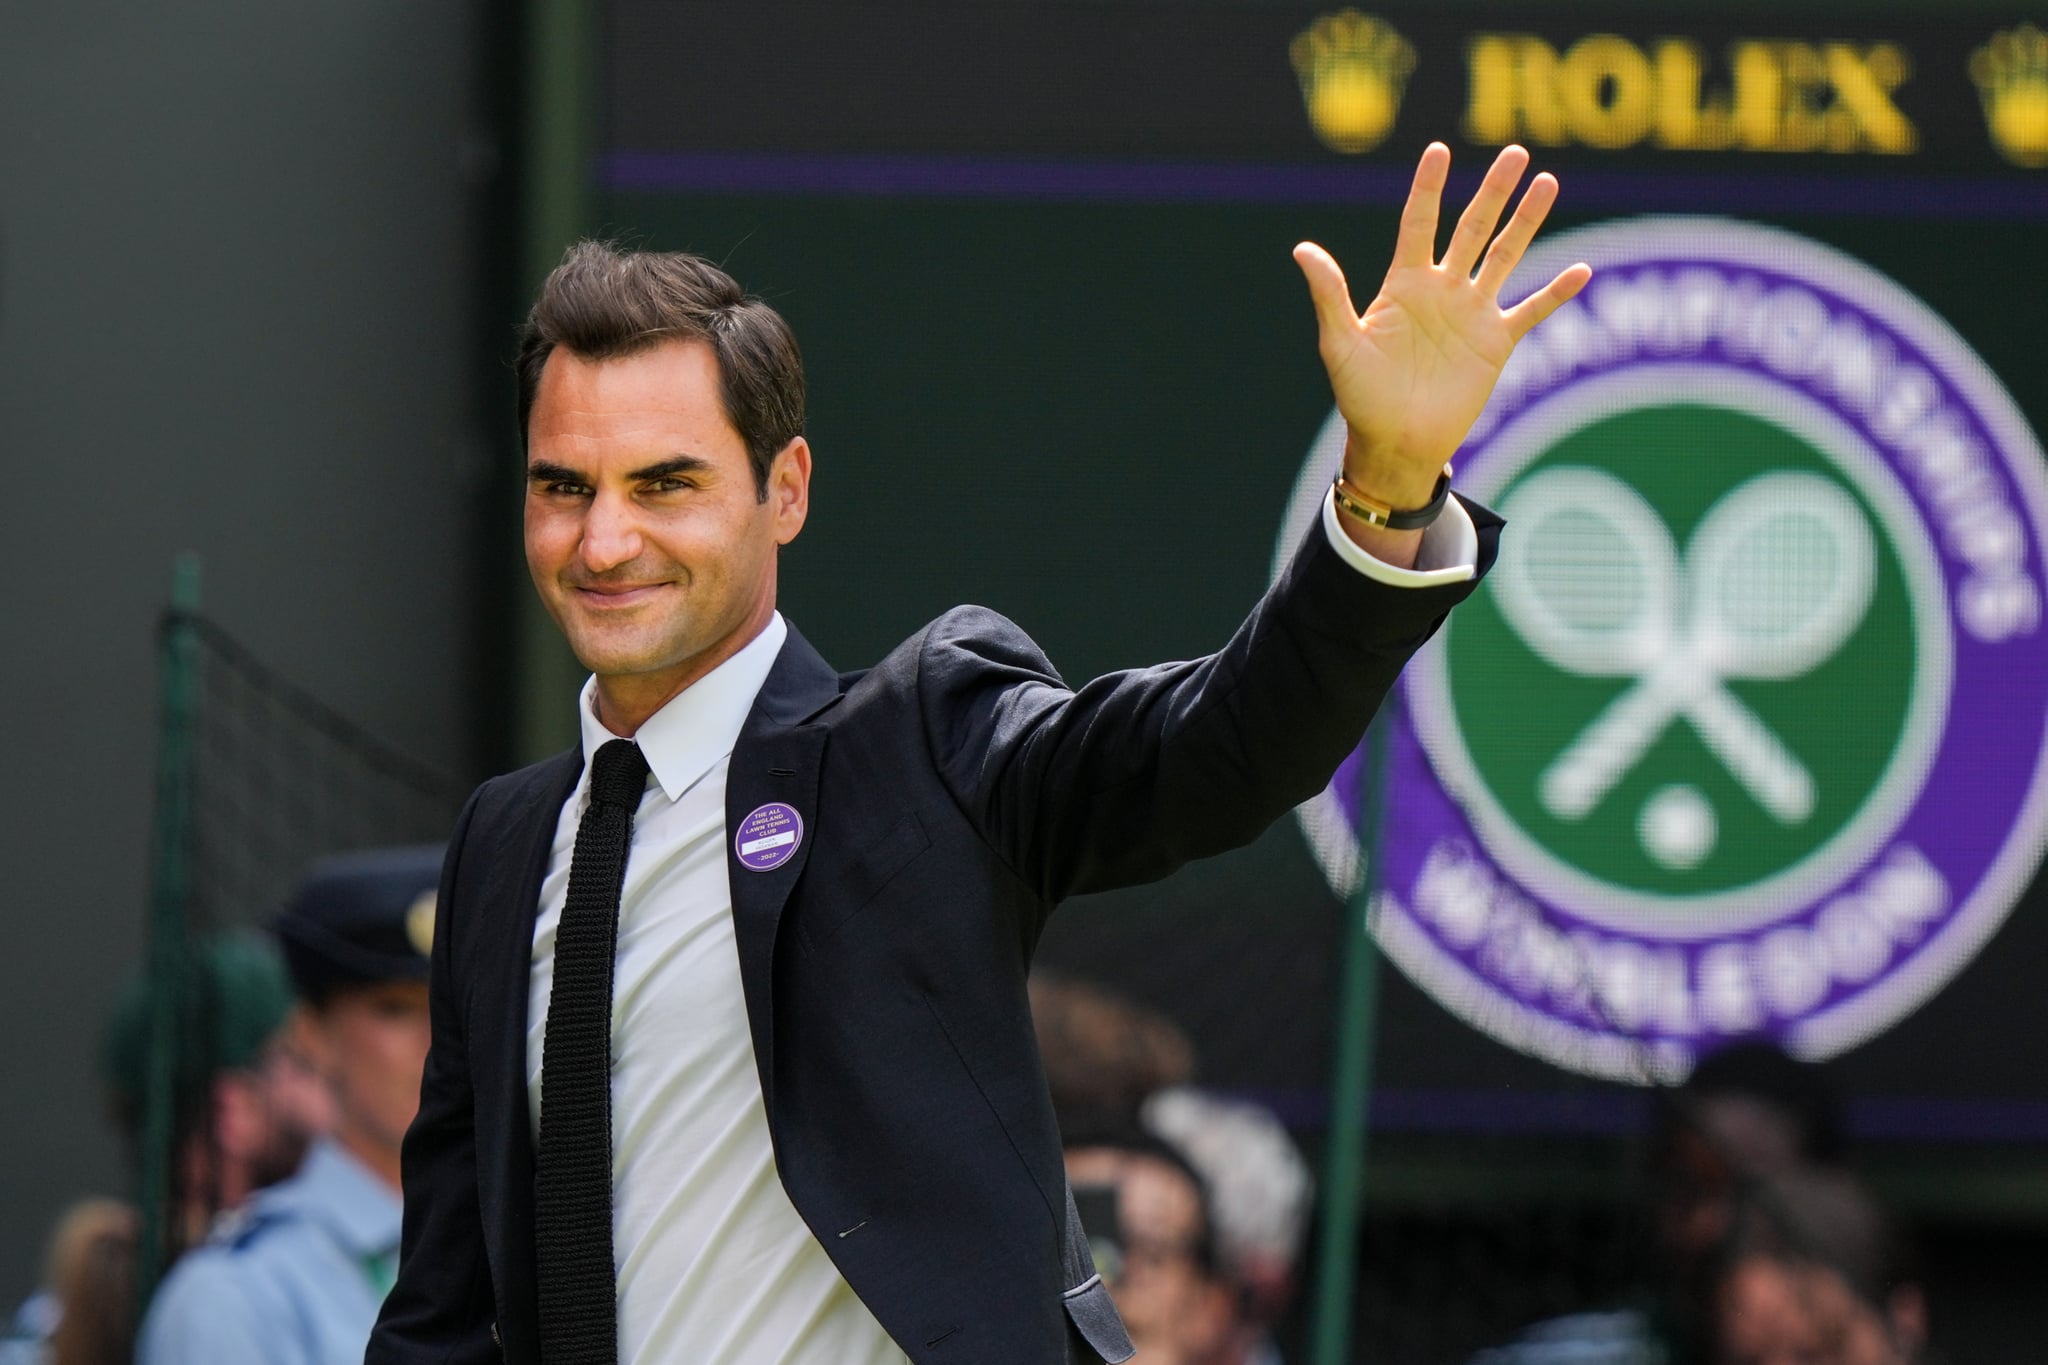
(768, 838)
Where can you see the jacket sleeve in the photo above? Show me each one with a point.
(441, 1307)
(1137, 772)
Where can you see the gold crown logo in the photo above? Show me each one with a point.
(1353, 68)
(2011, 72)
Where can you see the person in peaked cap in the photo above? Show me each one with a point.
(247, 1109)
(298, 1277)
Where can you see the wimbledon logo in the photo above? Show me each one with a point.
(1744, 733)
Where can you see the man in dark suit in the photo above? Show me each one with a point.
(732, 1056)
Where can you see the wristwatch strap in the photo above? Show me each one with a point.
(1373, 512)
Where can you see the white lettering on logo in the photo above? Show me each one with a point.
(1790, 331)
(1634, 988)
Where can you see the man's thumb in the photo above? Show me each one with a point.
(1326, 287)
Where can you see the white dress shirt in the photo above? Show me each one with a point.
(715, 1267)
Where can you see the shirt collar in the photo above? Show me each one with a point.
(344, 1196)
(700, 724)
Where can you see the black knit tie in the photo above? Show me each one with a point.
(572, 1202)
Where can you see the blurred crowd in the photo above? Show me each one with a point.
(1196, 1206)
(284, 1225)
(1762, 1248)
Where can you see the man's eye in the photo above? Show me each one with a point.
(669, 484)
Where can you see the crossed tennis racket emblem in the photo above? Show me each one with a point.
(1773, 581)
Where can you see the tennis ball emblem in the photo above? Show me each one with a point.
(2011, 73)
(1745, 731)
(1353, 69)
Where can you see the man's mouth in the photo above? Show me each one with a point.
(611, 596)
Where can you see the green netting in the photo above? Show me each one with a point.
(256, 777)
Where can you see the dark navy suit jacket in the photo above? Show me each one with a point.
(951, 797)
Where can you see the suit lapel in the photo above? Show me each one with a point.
(777, 761)
(518, 865)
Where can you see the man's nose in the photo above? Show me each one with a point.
(611, 534)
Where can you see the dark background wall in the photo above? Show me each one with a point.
(237, 303)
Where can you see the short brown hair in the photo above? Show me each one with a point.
(602, 303)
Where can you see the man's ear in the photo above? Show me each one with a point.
(789, 489)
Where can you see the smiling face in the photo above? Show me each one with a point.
(645, 534)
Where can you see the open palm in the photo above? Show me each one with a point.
(1412, 372)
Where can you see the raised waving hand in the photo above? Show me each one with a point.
(1411, 373)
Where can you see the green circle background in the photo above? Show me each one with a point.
(1843, 720)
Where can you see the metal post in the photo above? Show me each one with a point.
(1351, 1081)
(169, 946)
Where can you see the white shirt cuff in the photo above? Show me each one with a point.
(1449, 552)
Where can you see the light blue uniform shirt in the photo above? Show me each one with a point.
(28, 1337)
(296, 1278)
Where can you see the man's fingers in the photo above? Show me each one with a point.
(1476, 224)
(1326, 286)
(1547, 300)
(1506, 252)
(1416, 244)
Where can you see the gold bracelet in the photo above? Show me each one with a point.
(1370, 510)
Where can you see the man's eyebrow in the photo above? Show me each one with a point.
(546, 471)
(675, 464)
